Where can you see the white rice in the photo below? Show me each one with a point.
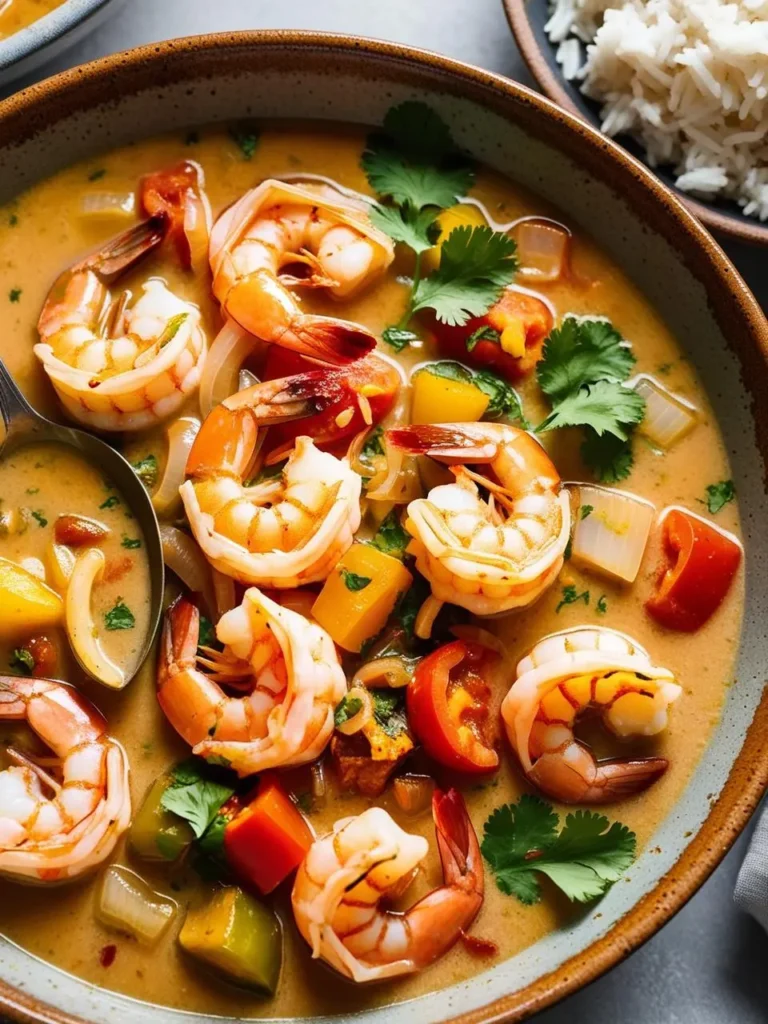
(687, 78)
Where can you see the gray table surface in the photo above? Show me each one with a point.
(710, 964)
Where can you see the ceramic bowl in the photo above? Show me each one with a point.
(648, 232)
(44, 39)
(527, 19)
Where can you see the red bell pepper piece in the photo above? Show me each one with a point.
(701, 563)
(268, 839)
(487, 353)
(447, 702)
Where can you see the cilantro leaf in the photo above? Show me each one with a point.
(414, 160)
(246, 138)
(585, 511)
(131, 543)
(476, 264)
(582, 352)
(391, 537)
(484, 333)
(571, 596)
(347, 708)
(601, 607)
(119, 617)
(389, 711)
(505, 401)
(352, 581)
(606, 407)
(609, 458)
(146, 470)
(373, 445)
(398, 337)
(589, 854)
(416, 228)
(195, 796)
(22, 660)
(39, 517)
(718, 495)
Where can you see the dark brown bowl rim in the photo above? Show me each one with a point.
(742, 228)
(731, 303)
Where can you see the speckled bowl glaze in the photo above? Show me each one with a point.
(44, 39)
(527, 19)
(647, 231)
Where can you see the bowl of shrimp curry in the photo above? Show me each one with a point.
(453, 421)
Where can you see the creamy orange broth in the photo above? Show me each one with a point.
(47, 232)
(17, 14)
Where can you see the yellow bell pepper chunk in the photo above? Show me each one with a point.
(442, 400)
(459, 216)
(26, 603)
(512, 339)
(359, 595)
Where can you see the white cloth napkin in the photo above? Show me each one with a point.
(751, 892)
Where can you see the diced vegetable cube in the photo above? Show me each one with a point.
(158, 834)
(359, 595)
(268, 839)
(127, 903)
(238, 937)
(26, 603)
(439, 399)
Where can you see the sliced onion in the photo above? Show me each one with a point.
(220, 377)
(183, 556)
(127, 903)
(110, 205)
(224, 592)
(34, 567)
(612, 538)
(543, 249)
(246, 379)
(181, 436)
(413, 793)
(61, 562)
(363, 716)
(425, 617)
(81, 629)
(391, 671)
(478, 635)
(668, 417)
(317, 782)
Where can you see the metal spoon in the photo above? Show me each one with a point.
(25, 426)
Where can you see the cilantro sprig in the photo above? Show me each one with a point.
(194, 795)
(582, 371)
(719, 495)
(583, 858)
(417, 170)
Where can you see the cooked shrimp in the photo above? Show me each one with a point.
(179, 193)
(496, 555)
(287, 664)
(56, 827)
(565, 675)
(288, 530)
(346, 875)
(116, 367)
(276, 226)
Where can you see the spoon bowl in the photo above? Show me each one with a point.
(25, 426)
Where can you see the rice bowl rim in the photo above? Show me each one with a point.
(739, 226)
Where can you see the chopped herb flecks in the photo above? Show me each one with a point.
(119, 617)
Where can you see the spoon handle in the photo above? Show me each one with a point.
(15, 409)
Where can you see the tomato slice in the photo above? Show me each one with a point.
(701, 563)
(447, 702)
(267, 840)
(176, 193)
(527, 318)
(372, 378)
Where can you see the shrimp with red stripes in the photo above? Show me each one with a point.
(488, 556)
(341, 887)
(287, 666)
(276, 227)
(287, 530)
(59, 821)
(567, 674)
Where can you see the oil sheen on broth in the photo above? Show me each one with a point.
(46, 230)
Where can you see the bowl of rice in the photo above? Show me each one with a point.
(683, 84)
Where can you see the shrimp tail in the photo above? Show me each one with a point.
(327, 339)
(178, 644)
(610, 780)
(291, 398)
(127, 249)
(447, 442)
(457, 842)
